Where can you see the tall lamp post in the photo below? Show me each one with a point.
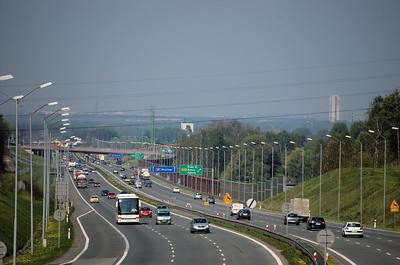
(361, 178)
(252, 175)
(231, 148)
(384, 178)
(31, 163)
(17, 100)
(245, 171)
(340, 167)
(238, 146)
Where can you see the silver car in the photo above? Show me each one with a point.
(163, 216)
(199, 224)
(291, 218)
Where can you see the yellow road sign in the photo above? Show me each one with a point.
(228, 199)
(394, 207)
(206, 203)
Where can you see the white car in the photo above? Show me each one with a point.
(352, 229)
(198, 195)
(176, 190)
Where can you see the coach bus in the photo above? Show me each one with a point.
(127, 208)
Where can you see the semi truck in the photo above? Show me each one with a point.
(301, 207)
(81, 181)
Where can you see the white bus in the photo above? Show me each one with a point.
(127, 208)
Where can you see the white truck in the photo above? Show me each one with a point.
(301, 207)
(235, 207)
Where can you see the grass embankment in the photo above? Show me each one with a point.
(349, 196)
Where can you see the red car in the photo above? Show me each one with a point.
(145, 211)
(97, 184)
(111, 195)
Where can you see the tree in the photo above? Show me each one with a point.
(4, 134)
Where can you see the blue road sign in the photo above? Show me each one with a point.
(159, 169)
(116, 155)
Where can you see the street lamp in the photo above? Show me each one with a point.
(244, 172)
(340, 167)
(6, 77)
(384, 178)
(231, 147)
(361, 179)
(238, 146)
(398, 141)
(31, 163)
(17, 100)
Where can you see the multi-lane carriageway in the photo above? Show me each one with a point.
(151, 244)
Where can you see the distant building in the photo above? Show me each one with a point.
(334, 108)
(188, 127)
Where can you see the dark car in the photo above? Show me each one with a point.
(210, 199)
(291, 218)
(148, 183)
(315, 223)
(243, 214)
(104, 192)
(122, 169)
(91, 181)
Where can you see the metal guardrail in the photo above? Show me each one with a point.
(304, 246)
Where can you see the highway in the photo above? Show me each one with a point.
(106, 242)
(377, 246)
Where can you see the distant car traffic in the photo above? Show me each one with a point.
(97, 184)
(94, 199)
(352, 229)
(199, 224)
(291, 218)
(160, 206)
(198, 196)
(90, 181)
(210, 199)
(145, 212)
(176, 190)
(148, 183)
(111, 195)
(163, 216)
(115, 171)
(316, 223)
(243, 214)
(104, 192)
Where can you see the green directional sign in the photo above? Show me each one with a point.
(194, 170)
(167, 150)
(137, 156)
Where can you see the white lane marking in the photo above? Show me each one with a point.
(87, 238)
(387, 253)
(378, 249)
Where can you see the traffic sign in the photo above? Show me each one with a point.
(194, 170)
(251, 203)
(167, 150)
(394, 207)
(286, 208)
(3, 250)
(228, 199)
(206, 203)
(59, 215)
(137, 156)
(115, 155)
(159, 169)
(325, 238)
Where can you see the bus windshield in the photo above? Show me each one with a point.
(128, 206)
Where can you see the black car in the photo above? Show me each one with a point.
(243, 214)
(91, 181)
(315, 223)
(104, 192)
(210, 199)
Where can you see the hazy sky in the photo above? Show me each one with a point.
(200, 58)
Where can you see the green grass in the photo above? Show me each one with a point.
(349, 196)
